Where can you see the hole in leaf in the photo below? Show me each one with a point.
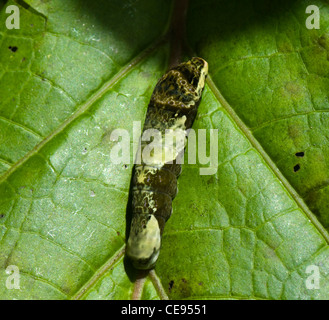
(296, 167)
(13, 49)
(299, 154)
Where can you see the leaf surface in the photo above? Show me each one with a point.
(82, 69)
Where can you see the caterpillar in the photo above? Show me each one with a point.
(173, 105)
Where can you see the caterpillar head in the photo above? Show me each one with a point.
(195, 71)
(180, 89)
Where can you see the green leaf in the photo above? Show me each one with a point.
(82, 69)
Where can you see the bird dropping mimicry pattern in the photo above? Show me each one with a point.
(171, 111)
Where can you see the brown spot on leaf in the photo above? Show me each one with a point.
(323, 42)
(171, 284)
(294, 131)
(184, 288)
